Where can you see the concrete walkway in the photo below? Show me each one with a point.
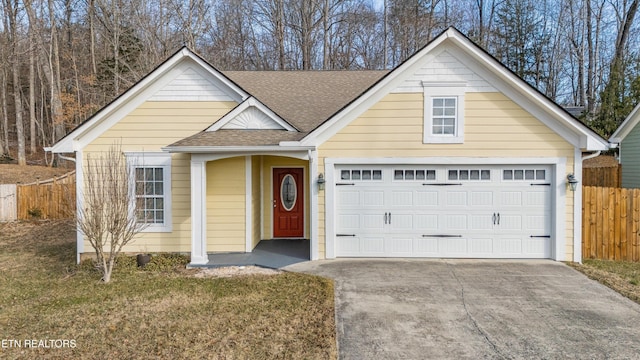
(476, 309)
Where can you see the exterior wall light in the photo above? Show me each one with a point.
(321, 181)
(572, 181)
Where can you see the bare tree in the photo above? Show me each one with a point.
(108, 217)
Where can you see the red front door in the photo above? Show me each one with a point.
(288, 203)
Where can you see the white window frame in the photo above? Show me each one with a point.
(440, 90)
(154, 160)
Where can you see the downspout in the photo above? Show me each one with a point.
(592, 155)
(66, 158)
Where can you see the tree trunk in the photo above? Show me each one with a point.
(32, 90)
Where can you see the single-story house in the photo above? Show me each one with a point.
(449, 154)
(627, 137)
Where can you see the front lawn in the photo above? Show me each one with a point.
(621, 276)
(150, 314)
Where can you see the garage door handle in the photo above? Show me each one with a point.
(441, 235)
(498, 218)
(493, 218)
(345, 184)
(351, 235)
(540, 236)
(546, 184)
(389, 218)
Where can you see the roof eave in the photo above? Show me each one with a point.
(234, 149)
(627, 125)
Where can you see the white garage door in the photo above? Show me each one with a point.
(444, 211)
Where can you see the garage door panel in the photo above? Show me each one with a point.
(373, 221)
(426, 221)
(456, 222)
(480, 218)
(373, 198)
(349, 222)
(349, 199)
(537, 224)
(456, 198)
(508, 246)
(538, 246)
(481, 222)
(402, 198)
(481, 199)
(537, 198)
(510, 222)
(402, 222)
(453, 247)
(401, 246)
(426, 198)
(510, 198)
(426, 247)
(481, 247)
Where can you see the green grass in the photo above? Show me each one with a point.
(621, 276)
(159, 312)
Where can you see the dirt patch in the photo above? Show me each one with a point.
(231, 271)
(13, 174)
(621, 284)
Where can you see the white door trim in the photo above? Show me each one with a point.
(558, 224)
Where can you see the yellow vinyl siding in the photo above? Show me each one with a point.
(268, 163)
(226, 205)
(255, 199)
(150, 127)
(495, 126)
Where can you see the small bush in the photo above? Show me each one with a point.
(166, 262)
(35, 213)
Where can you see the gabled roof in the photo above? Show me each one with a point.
(627, 125)
(250, 113)
(305, 98)
(532, 100)
(111, 113)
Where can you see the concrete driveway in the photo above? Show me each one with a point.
(476, 309)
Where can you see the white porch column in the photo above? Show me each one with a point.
(314, 194)
(199, 212)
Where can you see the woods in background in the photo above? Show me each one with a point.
(61, 60)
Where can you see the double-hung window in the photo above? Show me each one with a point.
(151, 177)
(444, 112)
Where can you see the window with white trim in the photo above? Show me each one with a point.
(443, 112)
(151, 177)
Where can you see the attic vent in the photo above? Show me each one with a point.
(252, 119)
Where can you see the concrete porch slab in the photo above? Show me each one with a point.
(273, 254)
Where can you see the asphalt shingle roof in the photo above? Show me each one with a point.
(305, 99)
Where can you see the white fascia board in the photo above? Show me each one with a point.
(249, 102)
(538, 105)
(134, 97)
(234, 149)
(301, 155)
(373, 95)
(627, 125)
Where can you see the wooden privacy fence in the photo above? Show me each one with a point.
(610, 223)
(50, 199)
(610, 176)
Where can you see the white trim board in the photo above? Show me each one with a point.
(558, 228)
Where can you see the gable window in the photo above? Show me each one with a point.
(443, 113)
(151, 177)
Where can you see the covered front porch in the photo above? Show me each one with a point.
(239, 200)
